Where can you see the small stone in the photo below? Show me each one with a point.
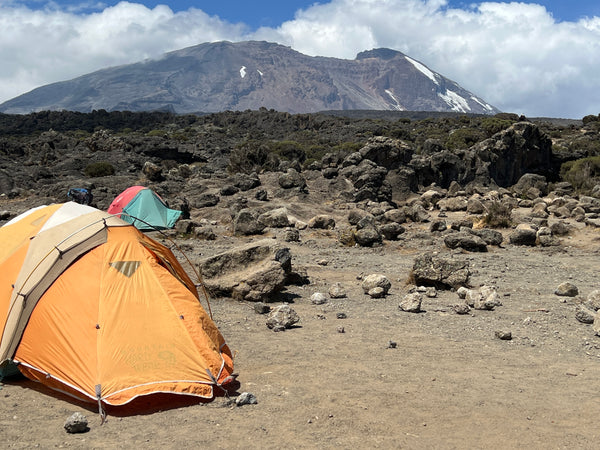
(461, 308)
(462, 292)
(291, 235)
(261, 308)
(246, 398)
(376, 292)
(485, 298)
(77, 423)
(567, 289)
(503, 335)
(585, 315)
(376, 280)
(337, 291)
(318, 298)
(341, 330)
(596, 325)
(261, 195)
(282, 317)
(341, 315)
(431, 292)
(593, 300)
(411, 302)
(392, 344)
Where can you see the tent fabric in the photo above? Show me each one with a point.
(102, 312)
(144, 208)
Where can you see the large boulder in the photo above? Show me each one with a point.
(442, 272)
(369, 181)
(528, 181)
(523, 235)
(508, 155)
(490, 237)
(245, 182)
(253, 272)
(292, 179)
(368, 236)
(466, 241)
(246, 223)
(276, 218)
(322, 221)
(387, 152)
(501, 160)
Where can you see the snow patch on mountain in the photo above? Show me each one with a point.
(424, 70)
(243, 71)
(455, 101)
(485, 105)
(397, 105)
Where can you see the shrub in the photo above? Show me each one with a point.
(493, 125)
(288, 150)
(345, 148)
(314, 153)
(156, 133)
(497, 215)
(589, 118)
(581, 173)
(401, 133)
(464, 138)
(99, 169)
(508, 116)
(252, 156)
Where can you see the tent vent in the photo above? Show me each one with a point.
(127, 268)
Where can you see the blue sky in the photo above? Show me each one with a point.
(271, 13)
(538, 58)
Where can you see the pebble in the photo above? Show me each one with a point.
(77, 423)
(246, 398)
(318, 298)
(503, 335)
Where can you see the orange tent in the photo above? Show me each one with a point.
(92, 307)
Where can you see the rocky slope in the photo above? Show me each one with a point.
(224, 76)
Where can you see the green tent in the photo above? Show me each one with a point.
(144, 208)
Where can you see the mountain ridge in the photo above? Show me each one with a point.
(220, 76)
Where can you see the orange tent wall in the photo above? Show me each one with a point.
(14, 243)
(132, 335)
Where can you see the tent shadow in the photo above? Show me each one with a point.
(157, 402)
(26, 383)
(144, 405)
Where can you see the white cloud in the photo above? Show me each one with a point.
(514, 55)
(45, 46)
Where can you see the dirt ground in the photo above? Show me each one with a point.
(449, 383)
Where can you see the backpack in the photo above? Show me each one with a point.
(80, 195)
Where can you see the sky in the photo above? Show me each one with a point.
(537, 58)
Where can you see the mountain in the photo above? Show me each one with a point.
(222, 76)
